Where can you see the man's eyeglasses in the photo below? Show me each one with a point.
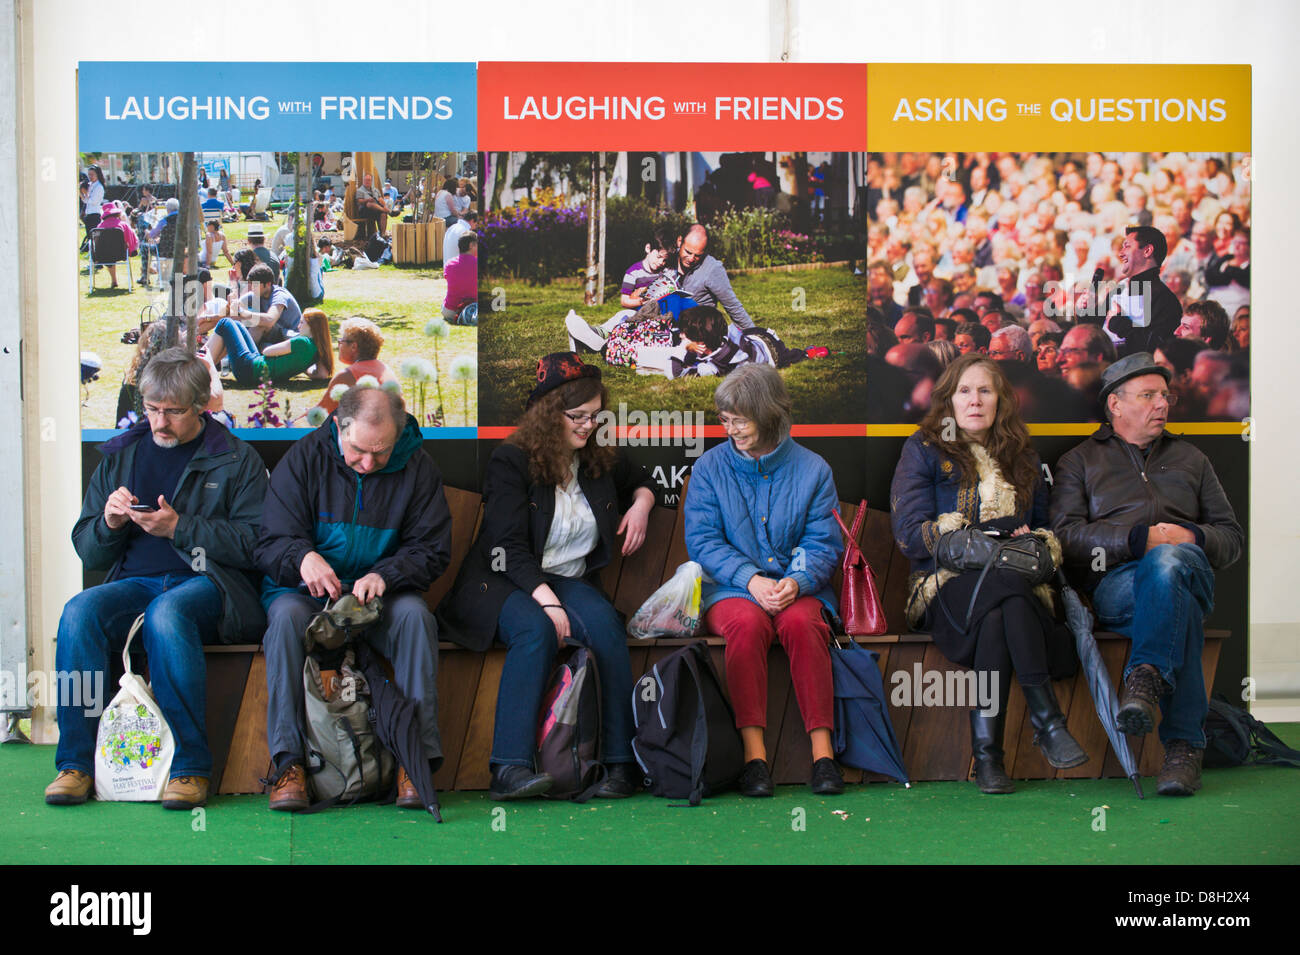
(581, 418)
(169, 413)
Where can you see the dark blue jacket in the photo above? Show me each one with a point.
(927, 484)
(393, 522)
(219, 503)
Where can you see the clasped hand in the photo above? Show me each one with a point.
(773, 595)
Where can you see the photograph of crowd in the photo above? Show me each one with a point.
(385, 294)
(670, 270)
(1057, 265)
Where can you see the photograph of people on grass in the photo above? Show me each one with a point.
(387, 292)
(670, 270)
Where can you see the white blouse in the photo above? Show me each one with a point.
(573, 533)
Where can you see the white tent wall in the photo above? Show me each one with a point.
(54, 35)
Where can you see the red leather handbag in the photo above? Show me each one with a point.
(860, 606)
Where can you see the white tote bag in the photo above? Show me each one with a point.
(134, 746)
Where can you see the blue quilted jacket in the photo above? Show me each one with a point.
(769, 516)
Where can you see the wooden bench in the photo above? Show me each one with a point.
(935, 739)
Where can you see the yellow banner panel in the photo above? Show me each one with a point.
(969, 107)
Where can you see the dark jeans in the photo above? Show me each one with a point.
(531, 645)
(1160, 603)
(180, 615)
(406, 635)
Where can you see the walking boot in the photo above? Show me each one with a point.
(1050, 735)
(986, 744)
(1181, 773)
(1140, 701)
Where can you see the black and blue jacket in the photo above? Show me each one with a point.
(219, 502)
(393, 522)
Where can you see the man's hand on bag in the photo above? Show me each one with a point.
(371, 585)
(319, 577)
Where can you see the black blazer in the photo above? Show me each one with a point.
(517, 515)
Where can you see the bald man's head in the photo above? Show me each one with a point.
(694, 247)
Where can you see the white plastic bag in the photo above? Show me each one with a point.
(134, 745)
(673, 610)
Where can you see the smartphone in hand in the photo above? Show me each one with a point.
(144, 507)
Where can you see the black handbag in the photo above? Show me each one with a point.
(970, 549)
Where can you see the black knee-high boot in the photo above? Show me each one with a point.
(986, 742)
(1051, 735)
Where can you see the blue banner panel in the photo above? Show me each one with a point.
(232, 106)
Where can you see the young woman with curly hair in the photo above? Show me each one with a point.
(970, 464)
(554, 501)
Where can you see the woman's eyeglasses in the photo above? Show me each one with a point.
(581, 418)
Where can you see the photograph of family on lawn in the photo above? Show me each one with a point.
(387, 295)
(710, 261)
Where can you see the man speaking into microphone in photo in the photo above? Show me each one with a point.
(1143, 312)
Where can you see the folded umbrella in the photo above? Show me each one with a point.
(396, 719)
(864, 733)
(1079, 620)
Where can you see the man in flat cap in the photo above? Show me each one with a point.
(1143, 523)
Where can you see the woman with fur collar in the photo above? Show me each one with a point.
(970, 464)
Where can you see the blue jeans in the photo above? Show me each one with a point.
(531, 647)
(242, 351)
(180, 615)
(1160, 603)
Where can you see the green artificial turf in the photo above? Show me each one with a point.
(1244, 815)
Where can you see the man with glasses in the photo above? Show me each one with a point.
(355, 507)
(1143, 523)
(171, 513)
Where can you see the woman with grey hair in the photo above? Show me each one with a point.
(759, 521)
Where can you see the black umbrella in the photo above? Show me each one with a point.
(1079, 619)
(396, 719)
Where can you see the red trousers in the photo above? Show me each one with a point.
(803, 633)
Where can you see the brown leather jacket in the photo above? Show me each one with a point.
(1104, 487)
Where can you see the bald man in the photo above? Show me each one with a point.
(705, 280)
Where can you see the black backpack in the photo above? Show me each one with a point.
(686, 739)
(1234, 738)
(568, 729)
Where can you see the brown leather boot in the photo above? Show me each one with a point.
(1181, 773)
(1139, 704)
(71, 787)
(185, 792)
(289, 792)
(407, 796)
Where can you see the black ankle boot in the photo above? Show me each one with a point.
(1051, 736)
(986, 743)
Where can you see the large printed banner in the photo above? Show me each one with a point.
(333, 199)
(1057, 107)
(732, 106)
(242, 106)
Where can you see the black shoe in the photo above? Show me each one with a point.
(755, 780)
(622, 780)
(1059, 747)
(986, 744)
(517, 782)
(826, 780)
